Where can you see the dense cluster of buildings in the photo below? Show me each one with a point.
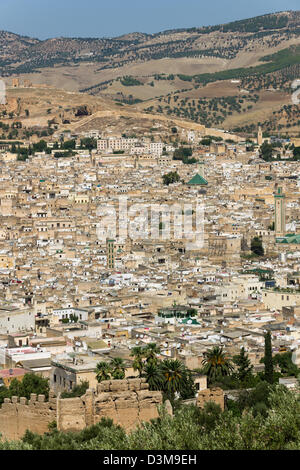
(81, 282)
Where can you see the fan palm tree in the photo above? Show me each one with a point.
(216, 364)
(118, 368)
(154, 377)
(138, 364)
(151, 353)
(175, 375)
(103, 371)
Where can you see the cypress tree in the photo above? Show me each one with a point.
(245, 367)
(269, 368)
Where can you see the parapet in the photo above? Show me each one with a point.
(34, 399)
(132, 385)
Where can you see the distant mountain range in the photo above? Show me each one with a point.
(232, 76)
(20, 54)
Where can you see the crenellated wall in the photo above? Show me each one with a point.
(127, 402)
(19, 414)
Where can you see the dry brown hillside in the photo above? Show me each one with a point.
(228, 76)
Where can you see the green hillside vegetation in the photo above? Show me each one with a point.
(253, 25)
(130, 81)
(275, 62)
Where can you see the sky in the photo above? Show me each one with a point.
(108, 18)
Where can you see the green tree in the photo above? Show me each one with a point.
(257, 246)
(151, 353)
(175, 377)
(154, 377)
(103, 371)
(287, 367)
(245, 368)
(171, 178)
(77, 391)
(118, 368)
(138, 364)
(268, 359)
(188, 389)
(31, 383)
(216, 364)
(266, 151)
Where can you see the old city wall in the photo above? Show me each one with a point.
(126, 402)
(215, 395)
(19, 414)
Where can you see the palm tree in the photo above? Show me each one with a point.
(138, 364)
(154, 377)
(103, 371)
(118, 368)
(216, 364)
(151, 353)
(175, 375)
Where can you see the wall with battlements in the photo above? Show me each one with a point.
(19, 414)
(127, 402)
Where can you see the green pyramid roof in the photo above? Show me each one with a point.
(290, 238)
(197, 180)
(193, 320)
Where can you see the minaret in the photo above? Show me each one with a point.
(202, 169)
(259, 136)
(110, 253)
(280, 213)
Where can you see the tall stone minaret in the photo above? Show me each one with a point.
(280, 220)
(259, 136)
(202, 169)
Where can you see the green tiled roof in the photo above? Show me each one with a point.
(197, 180)
(193, 320)
(290, 238)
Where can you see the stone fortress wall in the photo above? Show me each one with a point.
(127, 402)
(19, 414)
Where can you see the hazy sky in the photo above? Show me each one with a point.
(98, 18)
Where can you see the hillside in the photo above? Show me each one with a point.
(39, 111)
(229, 75)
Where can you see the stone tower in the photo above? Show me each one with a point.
(202, 169)
(280, 213)
(259, 136)
(110, 253)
